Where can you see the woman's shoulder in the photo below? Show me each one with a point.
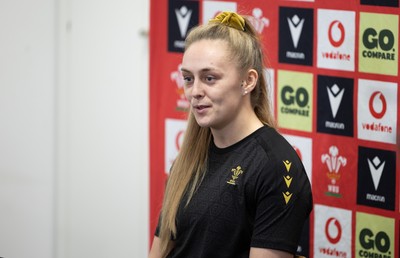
(277, 148)
(271, 140)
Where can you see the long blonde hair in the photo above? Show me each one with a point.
(190, 164)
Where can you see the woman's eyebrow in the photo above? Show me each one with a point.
(202, 70)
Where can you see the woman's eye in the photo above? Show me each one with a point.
(210, 78)
(187, 79)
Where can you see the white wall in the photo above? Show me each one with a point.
(73, 128)
(27, 160)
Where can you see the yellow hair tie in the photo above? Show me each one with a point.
(230, 19)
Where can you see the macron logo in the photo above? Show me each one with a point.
(296, 27)
(335, 98)
(183, 16)
(376, 169)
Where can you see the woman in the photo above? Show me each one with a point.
(237, 188)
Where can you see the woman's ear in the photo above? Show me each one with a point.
(250, 80)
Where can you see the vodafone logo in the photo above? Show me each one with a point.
(333, 230)
(377, 105)
(174, 133)
(377, 111)
(330, 224)
(179, 139)
(336, 33)
(336, 39)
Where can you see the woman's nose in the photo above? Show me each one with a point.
(197, 90)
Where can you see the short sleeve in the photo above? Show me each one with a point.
(283, 202)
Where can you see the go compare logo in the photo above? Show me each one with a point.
(289, 97)
(295, 100)
(378, 51)
(375, 236)
(384, 41)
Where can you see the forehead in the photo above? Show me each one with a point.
(207, 54)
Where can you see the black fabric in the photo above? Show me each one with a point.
(228, 215)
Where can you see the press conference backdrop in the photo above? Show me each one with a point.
(333, 72)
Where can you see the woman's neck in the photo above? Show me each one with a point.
(233, 133)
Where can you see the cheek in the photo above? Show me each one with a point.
(186, 92)
(232, 101)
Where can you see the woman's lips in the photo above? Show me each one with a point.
(201, 109)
